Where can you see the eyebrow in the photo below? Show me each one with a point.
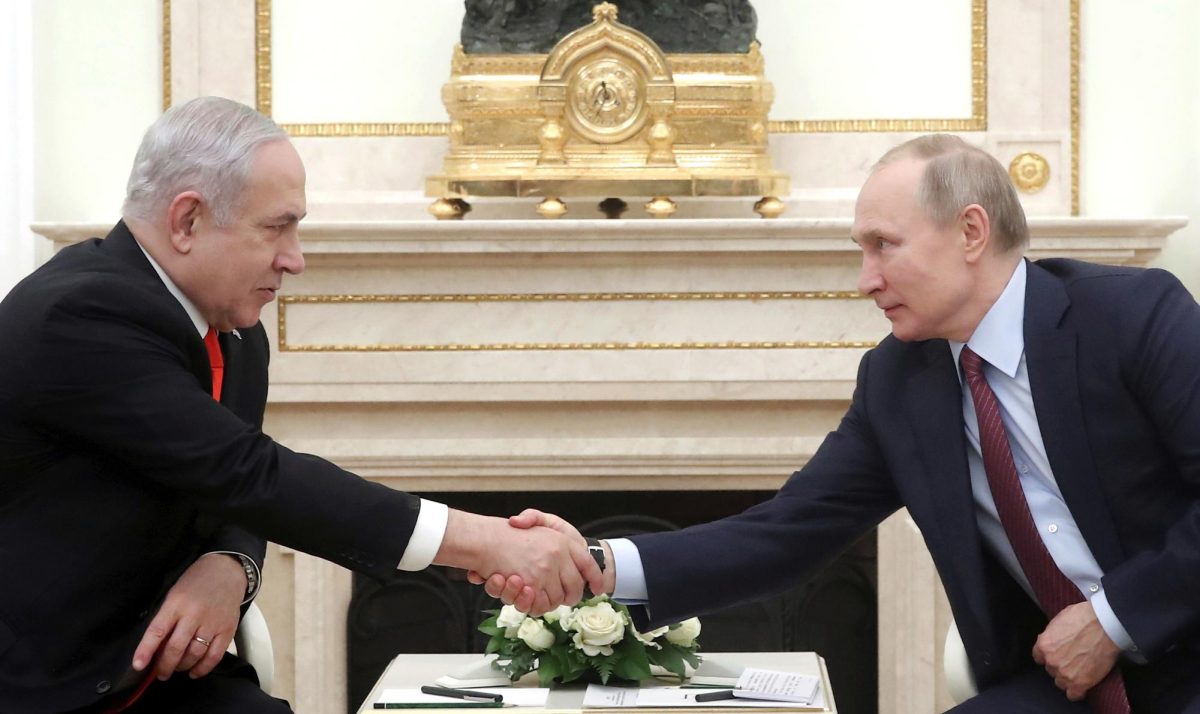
(288, 217)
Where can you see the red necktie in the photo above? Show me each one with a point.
(1054, 591)
(216, 360)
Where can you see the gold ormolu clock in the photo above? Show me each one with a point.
(606, 114)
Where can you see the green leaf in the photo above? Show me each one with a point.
(603, 665)
(549, 669)
(489, 627)
(670, 658)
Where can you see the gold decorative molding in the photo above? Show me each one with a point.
(976, 122)
(286, 300)
(1075, 44)
(680, 63)
(1029, 171)
(166, 55)
(262, 56)
(368, 129)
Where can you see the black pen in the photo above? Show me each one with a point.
(467, 694)
(714, 696)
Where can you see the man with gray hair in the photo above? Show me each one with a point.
(136, 485)
(1039, 420)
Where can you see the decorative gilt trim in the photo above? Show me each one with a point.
(1029, 171)
(1075, 46)
(976, 122)
(580, 346)
(262, 56)
(285, 300)
(166, 55)
(366, 129)
(571, 297)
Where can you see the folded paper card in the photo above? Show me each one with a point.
(765, 684)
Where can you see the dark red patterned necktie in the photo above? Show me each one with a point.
(1054, 591)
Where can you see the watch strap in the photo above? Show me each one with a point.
(253, 574)
(597, 552)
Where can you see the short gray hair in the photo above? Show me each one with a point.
(205, 145)
(957, 175)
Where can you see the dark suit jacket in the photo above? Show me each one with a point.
(118, 469)
(1114, 366)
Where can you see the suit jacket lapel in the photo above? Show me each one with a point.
(935, 398)
(1053, 362)
(121, 245)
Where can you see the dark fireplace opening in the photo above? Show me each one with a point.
(437, 610)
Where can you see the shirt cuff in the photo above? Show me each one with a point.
(426, 537)
(1113, 627)
(253, 572)
(630, 585)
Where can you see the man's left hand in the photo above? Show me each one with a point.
(1075, 650)
(204, 603)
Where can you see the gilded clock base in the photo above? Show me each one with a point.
(551, 207)
(769, 207)
(607, 114)
(449, 209)
(661, 207)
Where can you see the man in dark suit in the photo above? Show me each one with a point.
(136, 485)
(1041, 423)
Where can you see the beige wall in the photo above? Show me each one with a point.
(97, 85)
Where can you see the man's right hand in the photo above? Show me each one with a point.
(511, 590)
(547, 566)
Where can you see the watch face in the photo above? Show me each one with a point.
(606, 100)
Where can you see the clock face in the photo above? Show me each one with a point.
(606, 100)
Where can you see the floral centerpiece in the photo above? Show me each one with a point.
(595, 639)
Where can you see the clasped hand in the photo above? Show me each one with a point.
(1075, 650)
(542, 563)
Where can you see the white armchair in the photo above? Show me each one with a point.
(252, 642)
(957, 668)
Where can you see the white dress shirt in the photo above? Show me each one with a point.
(1000, 341)
(430, 529)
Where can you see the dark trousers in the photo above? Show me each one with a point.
(1171, 685)
(231, 688)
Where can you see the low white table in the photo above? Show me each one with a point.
(409, 671)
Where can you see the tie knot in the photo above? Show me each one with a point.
(972, 364)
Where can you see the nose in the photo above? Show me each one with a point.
(290, 258)
(870, 279)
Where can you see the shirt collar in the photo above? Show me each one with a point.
(189, 307)
(1000, 337)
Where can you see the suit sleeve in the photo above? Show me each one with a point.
(1154, 593)
(842, 492)
(114, 383)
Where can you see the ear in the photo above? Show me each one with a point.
(183, 216)
(977, 231)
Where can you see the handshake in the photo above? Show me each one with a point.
(533, 561)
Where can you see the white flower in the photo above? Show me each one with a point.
(596, 627)
(685, 633)
(563, 613)
(535, 634)
(648, 638)
(510, 618)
